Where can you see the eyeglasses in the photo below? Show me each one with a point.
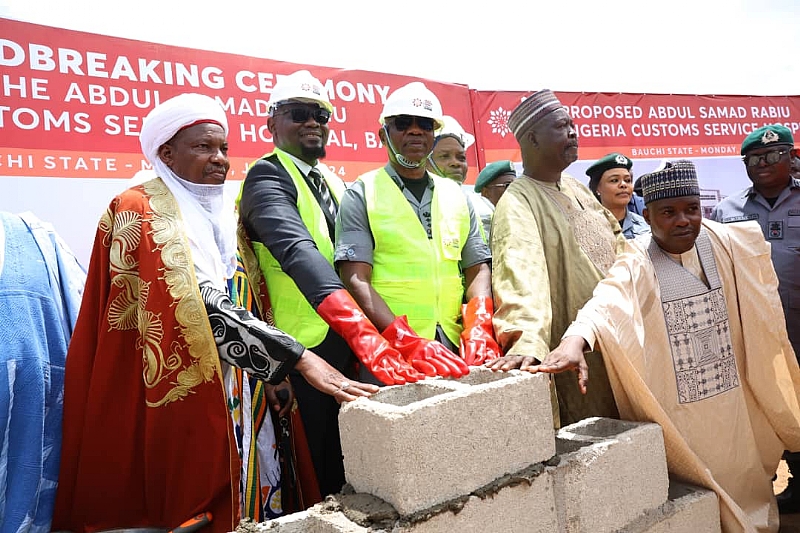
(403, 122)
(302, 114)
(770, 157)
(500, 185)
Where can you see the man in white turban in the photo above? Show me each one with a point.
(160, 421)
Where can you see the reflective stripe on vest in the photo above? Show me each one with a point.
(292, 312)
(417, 276)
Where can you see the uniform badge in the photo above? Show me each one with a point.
(451, 242)
(775, 230)
(769, 137)
(621, 160)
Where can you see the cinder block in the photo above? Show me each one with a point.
(424, 443)
(689, 509)
(522, 508)
(313, 520)
(611, 472)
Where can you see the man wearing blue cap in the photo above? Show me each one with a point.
(687, 322)
(492, 182)
(774, 202)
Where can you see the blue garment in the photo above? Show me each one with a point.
(636, 204)
(34, 348)
(67, 275)
(634, 225)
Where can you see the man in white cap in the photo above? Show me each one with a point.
(689, 323)
(154, 382)
(288, 206)
(552, 242)
(404, 237)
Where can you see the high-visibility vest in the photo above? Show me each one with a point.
(291, 311)
(417, 276)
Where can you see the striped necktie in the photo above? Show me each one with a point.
(328, 204)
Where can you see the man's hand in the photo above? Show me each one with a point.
(273, 393)
(344, 315)
(567, 356)
(477, 344)
(327, 379)
(512, 362)
(427, 356)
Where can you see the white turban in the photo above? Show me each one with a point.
(167, 119)
(208, 214)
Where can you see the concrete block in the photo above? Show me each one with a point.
(520, 502)
(423, 443)
(689, 509)
(521, 508)
(610, 473)
(313, 520)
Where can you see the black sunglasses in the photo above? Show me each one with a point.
(302, 114)
(403, 122)
(770, 157)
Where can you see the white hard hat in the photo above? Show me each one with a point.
(413, 99)
(453, 128)
(299, 86)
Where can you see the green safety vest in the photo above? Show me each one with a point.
(417, 276)
(292, 312)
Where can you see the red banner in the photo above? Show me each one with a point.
(651, 126)
(73, 102)
(73, 105)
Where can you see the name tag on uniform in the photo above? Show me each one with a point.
(740, 218)
(775, 230)
(794, 212)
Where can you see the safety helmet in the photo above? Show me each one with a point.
(299, 86)
(452, 128)
(413, 99)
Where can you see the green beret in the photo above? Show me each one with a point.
(767, 136)
(494, 171)
(607, 162)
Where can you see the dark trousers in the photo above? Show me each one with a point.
(320, 415)
(793, 462)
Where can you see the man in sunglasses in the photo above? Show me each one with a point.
(288, 207)
(404, 238)
(774, 202)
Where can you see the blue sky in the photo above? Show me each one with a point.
(689, 47)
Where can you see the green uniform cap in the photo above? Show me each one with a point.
(613, 160)
(492, 172)
(773, 135)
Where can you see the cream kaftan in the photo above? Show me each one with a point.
(551, 245)
(715, 370)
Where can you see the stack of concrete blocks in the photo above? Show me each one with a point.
(479, 454)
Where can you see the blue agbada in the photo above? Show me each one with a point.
(40, 290)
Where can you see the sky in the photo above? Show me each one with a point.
(748, 47)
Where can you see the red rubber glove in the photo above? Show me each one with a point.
(429, 357)
(343, 314)
(477, 340)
